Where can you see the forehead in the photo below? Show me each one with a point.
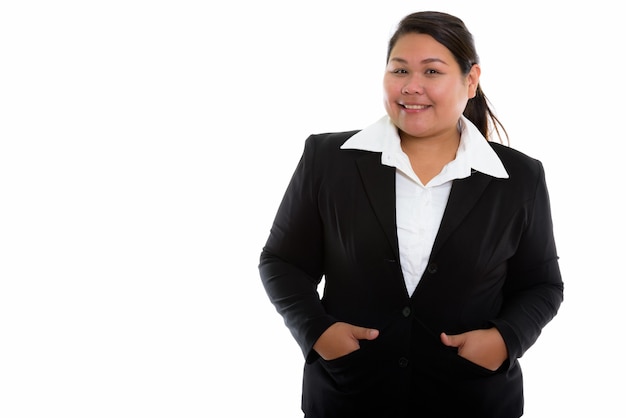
(419, 46)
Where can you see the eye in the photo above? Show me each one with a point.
(399, 71)
(432, 71)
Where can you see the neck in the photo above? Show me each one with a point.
(437, 146)
(429, 155)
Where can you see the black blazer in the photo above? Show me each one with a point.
(494, 263)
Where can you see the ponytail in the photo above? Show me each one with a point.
(481, 115)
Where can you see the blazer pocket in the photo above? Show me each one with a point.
(351, 372)
(462, 367)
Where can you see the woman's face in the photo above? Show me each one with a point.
(424, 91)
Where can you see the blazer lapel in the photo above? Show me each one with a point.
(463, 196)
(380, 186)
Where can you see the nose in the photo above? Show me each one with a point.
(413, 86)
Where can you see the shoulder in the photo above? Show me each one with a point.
(516, 162)
(325, 148)
(527, 179)
(330, 140)
(323, 157)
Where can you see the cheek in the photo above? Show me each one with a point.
(462, 98)
(390, 86)
(387, 104)
(387, 94)
(454, 95)
(391, 92)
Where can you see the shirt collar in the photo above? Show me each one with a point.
(474, 152)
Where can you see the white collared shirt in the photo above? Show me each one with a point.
(419, 207)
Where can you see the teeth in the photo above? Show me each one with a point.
(415, 107)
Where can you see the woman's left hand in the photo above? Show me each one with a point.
(484, 347)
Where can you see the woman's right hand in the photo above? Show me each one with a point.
(341, 339)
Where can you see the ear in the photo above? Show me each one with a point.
(472, 81)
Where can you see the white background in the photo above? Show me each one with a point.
(144, 149)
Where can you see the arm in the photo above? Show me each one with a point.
(534, 288)
(291, 263)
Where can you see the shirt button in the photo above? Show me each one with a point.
(406, 311)
(403, 362)
(432, 268)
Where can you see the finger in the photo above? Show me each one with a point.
(450, 340)
(361, 333)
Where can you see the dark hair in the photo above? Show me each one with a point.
(451, 32)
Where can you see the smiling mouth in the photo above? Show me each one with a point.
(414, 107)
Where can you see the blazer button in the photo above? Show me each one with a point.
(403, 362)
(432, 268)
(406, 311)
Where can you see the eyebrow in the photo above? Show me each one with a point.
(424, 61)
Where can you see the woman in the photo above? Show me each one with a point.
(435, 244)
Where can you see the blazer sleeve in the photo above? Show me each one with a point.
(534, 289)
(291, 262)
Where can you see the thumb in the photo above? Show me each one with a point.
(451, 340)
(361, 333)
